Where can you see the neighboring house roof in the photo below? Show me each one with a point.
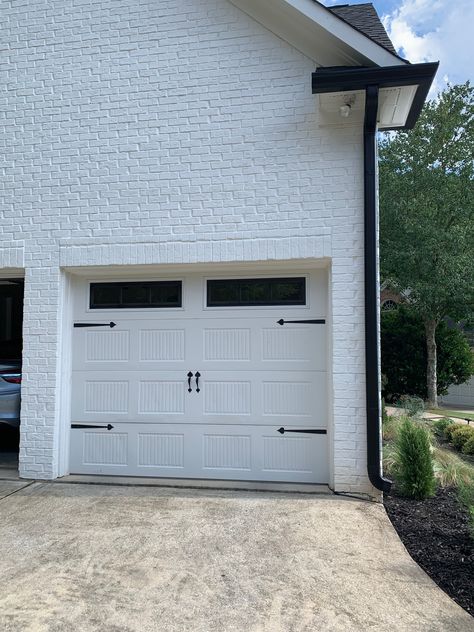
(389, 285)
(365, 19)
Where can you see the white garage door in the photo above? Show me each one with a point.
(197, 379)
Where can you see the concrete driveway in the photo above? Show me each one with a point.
(80, 558)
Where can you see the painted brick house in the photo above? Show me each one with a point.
(189, 193)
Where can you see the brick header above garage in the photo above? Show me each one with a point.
(165, 252)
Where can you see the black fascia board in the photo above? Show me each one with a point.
(348, 78)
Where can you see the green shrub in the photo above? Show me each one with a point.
(413, 405)
(404, 355)
(415, 462)
(468, 447)
(440, 426)
(450, 430)
(461, 436)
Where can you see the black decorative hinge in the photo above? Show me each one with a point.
(319, 321)
(111, 324)
(107, 427)
(305, 430)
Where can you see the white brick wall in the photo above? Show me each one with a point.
(132, 129)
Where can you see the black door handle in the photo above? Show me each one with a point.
(198, 375)
(190, 375)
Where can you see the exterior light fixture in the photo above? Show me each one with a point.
(345, 110)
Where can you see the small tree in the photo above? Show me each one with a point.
(427, 215)
(415, 462)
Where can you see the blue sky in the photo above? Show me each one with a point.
(431, 30)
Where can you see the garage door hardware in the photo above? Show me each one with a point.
(318, 321)
(306, 430)
(111, 324)
(107, 427)
(190, 375)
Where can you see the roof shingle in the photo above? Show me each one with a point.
(364, 18)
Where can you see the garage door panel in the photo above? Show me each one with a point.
(288, 398)
(298, 348)
(161, 345)
(101, 449)
(226, 344)
(263, 397)
(200, 451)
(159, 397)
(222, 452)
(288, 454)
(260, 343)
(107, 346)
(106, 396)
(227, 397)
(138, 345)
(255, 376)
(102, 348)
(160, 449)
(130, 396)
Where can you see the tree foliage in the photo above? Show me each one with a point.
(427, 207)
(404, 355)
(427, 212)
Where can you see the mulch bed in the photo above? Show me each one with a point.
(436, 534)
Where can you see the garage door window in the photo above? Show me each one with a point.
(135, 295)
(254, 292)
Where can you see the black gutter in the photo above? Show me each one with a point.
(347, 78)
(370, 80)
(371, 279)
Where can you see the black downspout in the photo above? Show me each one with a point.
(372, 359)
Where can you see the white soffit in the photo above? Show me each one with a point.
(330, 104)
(317, 33)
(394, 106)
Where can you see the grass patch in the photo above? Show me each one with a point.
(390, 460)
(450, 469)
(390, 426)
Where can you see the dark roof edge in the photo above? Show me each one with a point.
(347, 21)
(340, 79)
(328, 9)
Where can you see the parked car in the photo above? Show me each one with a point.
(10, 387)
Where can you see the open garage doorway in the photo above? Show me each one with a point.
(11, 325)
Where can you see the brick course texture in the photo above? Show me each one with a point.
(148, 132)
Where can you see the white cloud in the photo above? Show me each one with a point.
(432, 30)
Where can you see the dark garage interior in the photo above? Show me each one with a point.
(11, 324)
